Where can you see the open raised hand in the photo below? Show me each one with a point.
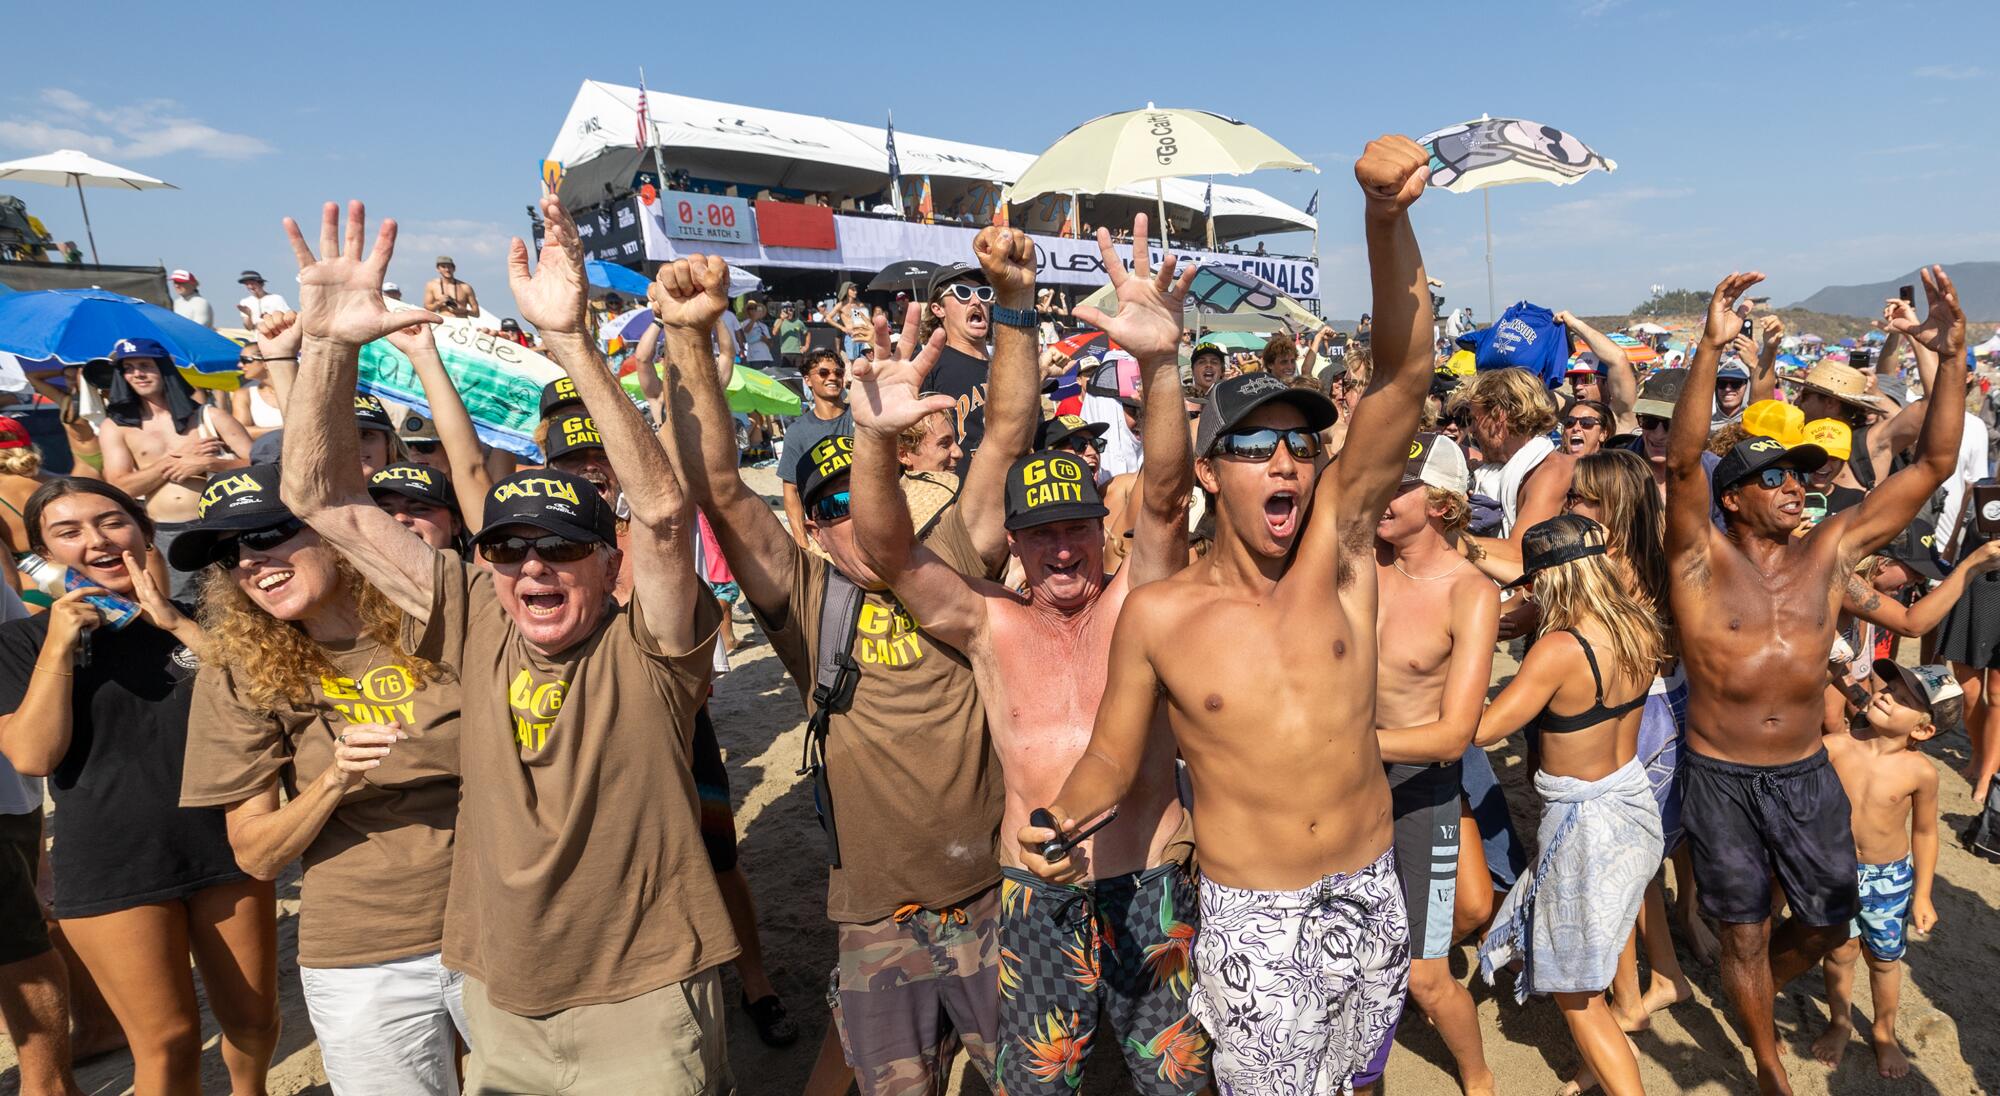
(1724, 322)
(1150, 303)
(1943, 328)
(1393, 171)
(340, 292)
(885, 389)
(556, 297)
(690, 294)
(1007, 256)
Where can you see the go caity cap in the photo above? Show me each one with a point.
(558, 395)
(569, 433)
(553, 501)
(1055, 431)
(1051, 486)
(414, 481)
(234, 503)
(829, 458)
(1752, 455)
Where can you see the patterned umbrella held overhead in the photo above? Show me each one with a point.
(1499, 151)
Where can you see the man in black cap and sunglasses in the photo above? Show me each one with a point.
(1125, 876)
(906, 784)
(579, 711)
(1756, 606)
(1263, 653)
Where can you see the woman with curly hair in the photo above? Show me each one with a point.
(101, 704)
(311, 684)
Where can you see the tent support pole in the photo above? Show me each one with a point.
(1160, 192)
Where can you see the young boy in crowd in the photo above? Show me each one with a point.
(1894, 791)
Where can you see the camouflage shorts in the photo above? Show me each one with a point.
(911, 988)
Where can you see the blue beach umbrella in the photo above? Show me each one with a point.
(73, 326)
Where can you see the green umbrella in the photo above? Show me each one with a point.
(749, 390)
(1234, 340)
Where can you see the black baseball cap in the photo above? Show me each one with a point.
(569, 433)
(415, 481)
(1916, 549)
(952, 272)
(1752, 455)
(1055, 431)
(559, 394)
(551, 500)
(830, 458)
(1050, 486)
(1559, 540)
(235, 503)
(1209, 348)
(369, 414)
(1232, 400)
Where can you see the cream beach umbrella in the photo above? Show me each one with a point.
(68, 167)
(1135, 146)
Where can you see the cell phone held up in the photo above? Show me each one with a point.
(1986, 517)
(1908, 293)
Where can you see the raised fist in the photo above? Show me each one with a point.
(690, 293)
(1008, 257)
(1393, 171)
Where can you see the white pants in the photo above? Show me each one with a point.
(386, 1029)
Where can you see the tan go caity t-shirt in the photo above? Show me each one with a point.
(916, 787)
(579, 876)
(373, 888)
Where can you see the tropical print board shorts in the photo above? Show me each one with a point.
(1120, 945)
(1886, 890)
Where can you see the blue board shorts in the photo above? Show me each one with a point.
(1886, 890)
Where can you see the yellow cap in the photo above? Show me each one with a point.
(1774, 419)
(1831, 435)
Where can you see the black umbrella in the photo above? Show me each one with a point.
(906, 274)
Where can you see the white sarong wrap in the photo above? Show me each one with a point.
(1569, 919)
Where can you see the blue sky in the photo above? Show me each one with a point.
(1819, 142)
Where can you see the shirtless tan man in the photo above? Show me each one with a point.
(1756, 607)
(1435, 633)
(1119, 938)
(446, 295)
(160, 446)
(1302, 954)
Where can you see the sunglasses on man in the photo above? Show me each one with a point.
(967, 292)
(830, 507)
(1261, 444)
(1730, 384)
(1080, 443)
(1770, 479)
(1650, 423)
(549, 549)
(229, 553)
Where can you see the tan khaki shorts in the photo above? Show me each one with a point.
(665, 1043)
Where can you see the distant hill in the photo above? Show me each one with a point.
(1978, 290)
(1797, 322)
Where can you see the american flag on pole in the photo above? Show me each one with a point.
(645, 139)
(1208, 212)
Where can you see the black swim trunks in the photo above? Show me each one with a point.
(1424, 800)
(1746, 822)
(22, 933)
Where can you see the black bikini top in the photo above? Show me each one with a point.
(1595, 714)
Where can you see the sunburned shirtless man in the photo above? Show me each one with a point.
(1756, 608)
(1302, 955)
(160, 446)
(1120, 936)
(1438, 621)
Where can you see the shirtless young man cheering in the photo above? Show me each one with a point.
(1438, 621)
(1120, 936)
(1756, 607)
(1302, 954)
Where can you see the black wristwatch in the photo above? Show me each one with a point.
(1014, 317)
